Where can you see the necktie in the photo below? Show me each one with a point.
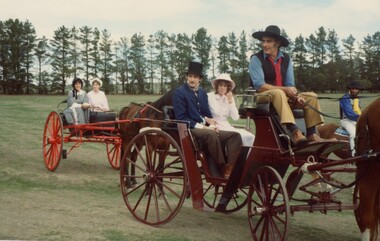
(277, 69)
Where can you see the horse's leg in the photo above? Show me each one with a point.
(366, 214)
(128, 181)
(133, 167)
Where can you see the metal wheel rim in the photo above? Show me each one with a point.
(52, 141)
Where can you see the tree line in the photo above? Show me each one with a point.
(156, 63)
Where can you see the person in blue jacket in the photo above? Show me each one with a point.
(190, 103)
(350, 110)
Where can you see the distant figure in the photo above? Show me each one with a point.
(350, 110)
(77, 103)
(97, 98)
(222, 106)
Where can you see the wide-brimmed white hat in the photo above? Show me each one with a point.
(97, 80)
(225, 77)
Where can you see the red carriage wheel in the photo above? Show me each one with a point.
(52, 141)
(114, 153)
(212, 194)
(268, 205)
(153, 178)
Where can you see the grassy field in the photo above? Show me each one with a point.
(81, 200)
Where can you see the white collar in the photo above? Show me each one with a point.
(221, 97)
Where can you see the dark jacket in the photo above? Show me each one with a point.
(190, 107)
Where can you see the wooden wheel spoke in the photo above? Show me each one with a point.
(169, 189)
(163, 196)
(270, 204)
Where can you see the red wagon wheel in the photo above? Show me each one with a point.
(154, 161)
(114, 153)
(268, 205)
(52, 141)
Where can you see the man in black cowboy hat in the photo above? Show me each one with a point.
(350, 110)
(190, 104)
(271, 71)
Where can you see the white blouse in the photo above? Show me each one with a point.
(98, 101)
(221, 109)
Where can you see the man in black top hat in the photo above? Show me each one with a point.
(271, 71)
(350, 110)
(190, 103)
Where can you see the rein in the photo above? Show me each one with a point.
(337, 99)
(332, 98)
(321, 113)
(144, 108)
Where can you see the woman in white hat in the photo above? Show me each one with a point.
(97, 98)
(222, 106)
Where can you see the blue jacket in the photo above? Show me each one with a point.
(190, 107)
(347, 111)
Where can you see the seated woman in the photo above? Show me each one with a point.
(77, 103)
(222, 106)
(97, 98)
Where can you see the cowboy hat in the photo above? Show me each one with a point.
(271, 31)
(195, 68)
(355, 85)
(97, 80)
(225, 77)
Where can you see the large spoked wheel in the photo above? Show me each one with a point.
(114, 153)
(153, 177)
(268, 205)
(52, 141)
(212, 194)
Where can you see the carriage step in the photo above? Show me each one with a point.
(64, 154)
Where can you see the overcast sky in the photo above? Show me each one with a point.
(123, 18)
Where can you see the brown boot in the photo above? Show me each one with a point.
(315, 137)
(298, 138)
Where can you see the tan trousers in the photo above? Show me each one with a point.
(280, 102)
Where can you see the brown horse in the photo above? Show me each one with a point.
(151, 111)
(332, 130)
(368, 140)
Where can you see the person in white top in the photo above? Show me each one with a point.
(97, 98)
(222, 105)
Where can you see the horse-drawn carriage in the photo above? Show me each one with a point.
(103, 128)
(163, 165)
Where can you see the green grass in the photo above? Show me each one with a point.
(82, 199)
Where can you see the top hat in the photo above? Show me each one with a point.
(97, 80)
(271, 31)
(195, 68)
(354, 85)
(225, 77)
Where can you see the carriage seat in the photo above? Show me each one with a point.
(102, 116)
